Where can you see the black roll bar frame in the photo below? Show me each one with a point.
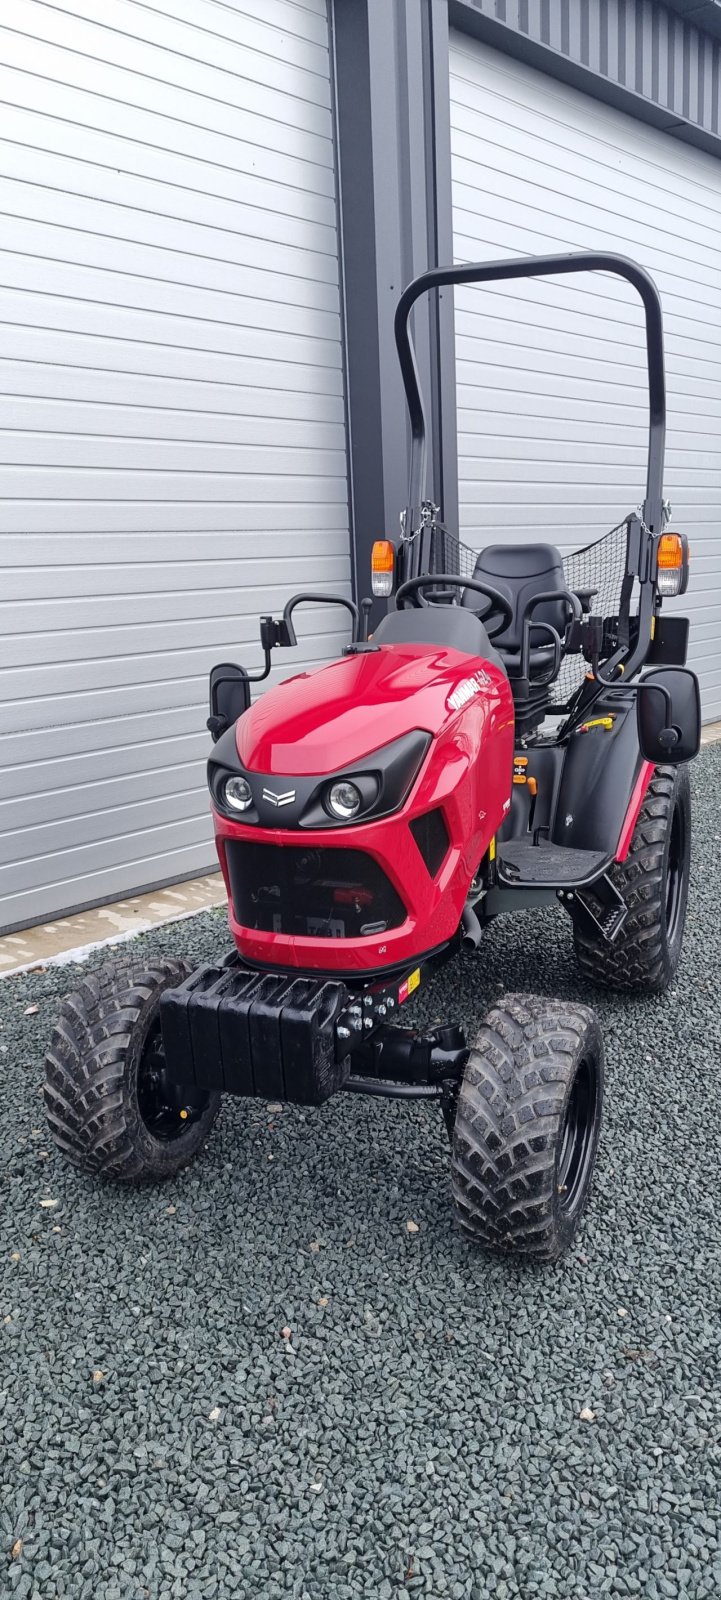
(641, 553)
(538, 267)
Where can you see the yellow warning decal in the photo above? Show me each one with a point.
(408, 985)
(492, 849)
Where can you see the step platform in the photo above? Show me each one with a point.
(524, 865)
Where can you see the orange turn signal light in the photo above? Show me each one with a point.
(670, 550)
(383, 566)
(383, 558)
(673, 558)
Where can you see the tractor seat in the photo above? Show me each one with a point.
(449, 626)
(520, 571)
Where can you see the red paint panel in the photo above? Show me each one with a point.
(637, 798)
(319, 722)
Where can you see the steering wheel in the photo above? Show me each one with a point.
(500, 614)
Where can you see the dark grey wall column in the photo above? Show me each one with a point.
(393, 140)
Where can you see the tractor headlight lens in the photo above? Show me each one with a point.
(237, 794)
(344, 800)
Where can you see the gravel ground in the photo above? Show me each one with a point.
(422, 1431)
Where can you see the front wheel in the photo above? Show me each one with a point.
(110, 1104)
(527, 1125)
(654, 882)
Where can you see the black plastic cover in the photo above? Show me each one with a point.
(431, 836)
(669, 715)
(447, 625)
(229, 692)
(599, 771)
(669, 647)
(385, 778)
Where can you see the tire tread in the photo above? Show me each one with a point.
(639, 958)
(505, 1135)
(88, 1108)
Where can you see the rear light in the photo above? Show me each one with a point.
(383, 566)
(673, 560)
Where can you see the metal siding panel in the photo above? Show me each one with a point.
(637, 44)
(551, 380)
(165, 860)
(172, 434)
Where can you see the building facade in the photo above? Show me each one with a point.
(209, 210)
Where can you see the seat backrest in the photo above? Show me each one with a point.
(442, 625)
(520, 571)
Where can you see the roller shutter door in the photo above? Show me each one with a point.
(551, 383)
(173, 441)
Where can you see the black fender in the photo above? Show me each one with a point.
(600, 771)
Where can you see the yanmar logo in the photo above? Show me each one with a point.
(469, 687)
(285, 799)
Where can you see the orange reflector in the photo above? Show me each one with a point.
(383, 558)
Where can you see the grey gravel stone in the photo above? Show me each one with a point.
(436, 1396)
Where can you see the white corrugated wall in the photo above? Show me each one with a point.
(172, 455)
(552, 411)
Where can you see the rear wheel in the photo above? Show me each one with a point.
(527, 1125)
(110, 1104)
(654, 882)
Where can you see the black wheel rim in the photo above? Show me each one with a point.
(168, 1110)
(675, 872)
(577, 1140)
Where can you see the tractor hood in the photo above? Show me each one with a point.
(321, 721)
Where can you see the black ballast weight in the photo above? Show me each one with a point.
(251, 1033)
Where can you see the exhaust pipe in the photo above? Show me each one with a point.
(471, 935)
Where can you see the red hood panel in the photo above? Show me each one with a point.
(323, 720)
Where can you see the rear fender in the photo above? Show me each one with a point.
(601, 777)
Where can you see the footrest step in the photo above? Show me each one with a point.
(524, 865)
(605, 908)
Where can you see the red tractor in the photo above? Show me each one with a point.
(490, 748)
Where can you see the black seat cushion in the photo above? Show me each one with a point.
(520, 571)
(451, 626)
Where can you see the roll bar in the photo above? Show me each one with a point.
(537, 267)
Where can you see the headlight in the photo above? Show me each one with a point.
(344, 800)
(237, 794)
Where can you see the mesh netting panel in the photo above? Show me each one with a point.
(600, 566)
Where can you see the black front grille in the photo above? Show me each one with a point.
(431, 836)
(319, 894)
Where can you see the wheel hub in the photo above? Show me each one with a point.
(168, 1110)
(577, 1138)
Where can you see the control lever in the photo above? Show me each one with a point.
(592, 641)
